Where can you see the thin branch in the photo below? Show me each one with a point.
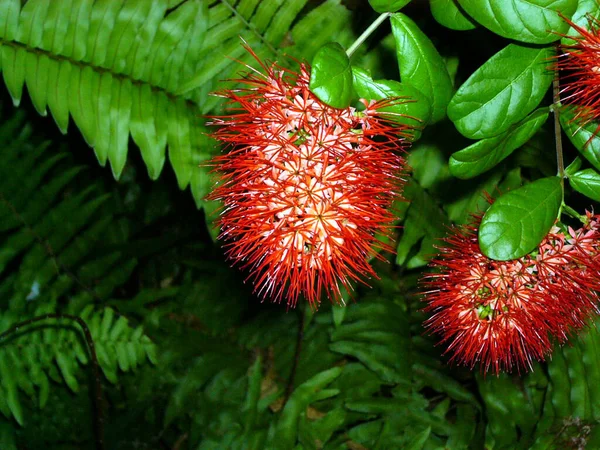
(363, 37)
(560, 164)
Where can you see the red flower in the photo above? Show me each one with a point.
(306, 187)
(504, 314)
(580, 82)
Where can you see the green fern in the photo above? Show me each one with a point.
(38, 354)
(139, 68)
(50, 223)
(58, 234)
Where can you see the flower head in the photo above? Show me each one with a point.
(504, 314)
(306, 187)
(580, 64)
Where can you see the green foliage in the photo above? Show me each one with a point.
(139, 68)
(331, 76)
(487, 153)
(532, 21)
(518, 221)
(382, 6)
(587, 182)
(582, 137)
(421, 66)
(188, 358)
(451, 15)
(501, 92)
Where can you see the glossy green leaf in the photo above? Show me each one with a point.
(586, 182)
(487, 153)
(412, 108)
(382, 6)
(501, 92)
(518, 221)
(331, 76)
(450, 14)
(532, 21)
(421, 66)
(584, 138)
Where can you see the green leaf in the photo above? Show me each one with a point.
(501, 92)
(451, 15)
(487, 153)
(586, 182)
(412, 108)
(518, 221)
(584, 138)
(382, 6)
(532, 21)
(331, 76)
(421, 66)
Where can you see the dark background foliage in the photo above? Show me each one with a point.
(189, 358)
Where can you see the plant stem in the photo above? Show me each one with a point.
(560, 164)
(363, 37)
(574, 214)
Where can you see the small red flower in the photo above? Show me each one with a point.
(305, 187)
(504, 314)
(580, 64)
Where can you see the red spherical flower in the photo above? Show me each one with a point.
(503, 314)
(579, 63)
(306, 187)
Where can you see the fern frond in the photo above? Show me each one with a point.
(49, 225)
(54, 350)
(144, 68)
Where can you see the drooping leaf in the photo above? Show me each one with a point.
(450, 14)
(532, 21)
(421, 66)
(331, 76)
(517, 221)
(487, 153)
(586, 182)
(501, 92)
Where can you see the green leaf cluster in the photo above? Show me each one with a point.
(188, 357)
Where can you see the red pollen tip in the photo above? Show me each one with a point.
(305, 187)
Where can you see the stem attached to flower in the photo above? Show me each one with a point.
(363, 37)
(574, 214)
